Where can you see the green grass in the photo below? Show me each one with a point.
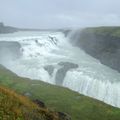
(79, 107)
(104, 31)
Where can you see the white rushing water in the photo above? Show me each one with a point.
(41, 49)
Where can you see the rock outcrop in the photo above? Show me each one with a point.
(49, 69)
(65, 67)
(64, 116)
(39, 103)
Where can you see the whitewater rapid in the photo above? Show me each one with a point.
(49, 56)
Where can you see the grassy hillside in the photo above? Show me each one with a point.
(79, 107)
(18, 107)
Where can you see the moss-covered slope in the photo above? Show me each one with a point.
(79, 107)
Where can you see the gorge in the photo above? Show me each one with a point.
(50, 56)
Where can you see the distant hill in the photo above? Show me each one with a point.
(7, 29)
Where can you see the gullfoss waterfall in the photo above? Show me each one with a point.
(49, 56)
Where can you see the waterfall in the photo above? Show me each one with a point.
(50, 57)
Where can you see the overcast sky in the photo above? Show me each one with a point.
(59, 13)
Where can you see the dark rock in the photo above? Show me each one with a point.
(60, 75)
(36, 41)
(63, 116)
(49, 69)
(39, 44)
(68, 65)
(39, 103)
(53, 39)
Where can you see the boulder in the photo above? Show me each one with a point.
(39, 103)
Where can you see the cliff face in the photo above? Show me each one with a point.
(102, 43)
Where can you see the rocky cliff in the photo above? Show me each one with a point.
(102, 43)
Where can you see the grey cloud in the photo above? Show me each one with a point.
(59, 13)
